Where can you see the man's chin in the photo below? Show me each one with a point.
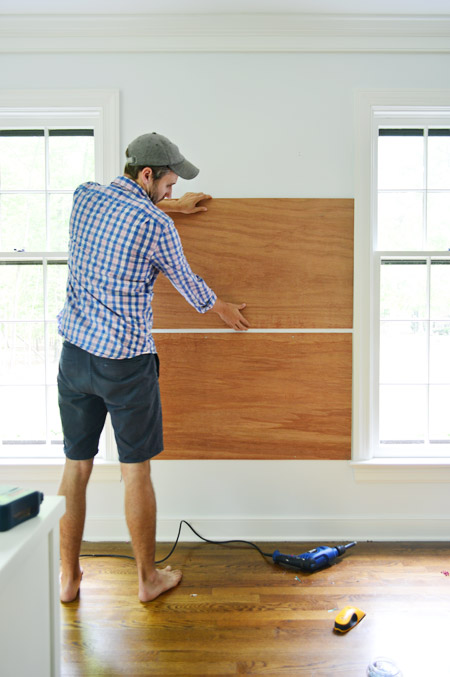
(155, 198)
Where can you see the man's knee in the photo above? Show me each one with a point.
(79, 470)
(135, 472)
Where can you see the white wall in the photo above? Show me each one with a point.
(258, 125)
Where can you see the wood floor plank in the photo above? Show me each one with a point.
(236, 613)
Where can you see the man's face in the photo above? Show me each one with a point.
(162, 188)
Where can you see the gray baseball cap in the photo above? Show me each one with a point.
(155, 150)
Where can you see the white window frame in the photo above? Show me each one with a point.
(366, 466)
(99, 109)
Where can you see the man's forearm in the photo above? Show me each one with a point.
(167, 206)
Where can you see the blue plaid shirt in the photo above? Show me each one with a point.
(119, 243)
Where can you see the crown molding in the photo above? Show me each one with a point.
(223, 33)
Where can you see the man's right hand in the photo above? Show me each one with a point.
(231, 314)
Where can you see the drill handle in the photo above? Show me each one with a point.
(288, 560)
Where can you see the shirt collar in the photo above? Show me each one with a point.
(124, 183)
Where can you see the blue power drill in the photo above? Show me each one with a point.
(313, 560)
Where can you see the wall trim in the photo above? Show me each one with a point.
(223, 33)
(20, 103)
(27, 470)
(366, 101)
(320, 530)
(419, 470)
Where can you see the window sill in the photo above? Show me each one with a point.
(421, 470)
(50, 470)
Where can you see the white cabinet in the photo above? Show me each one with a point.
(30, 633)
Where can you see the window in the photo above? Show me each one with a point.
(402, 276)
(45, 153)
(412, 215)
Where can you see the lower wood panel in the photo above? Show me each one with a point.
(256, 396)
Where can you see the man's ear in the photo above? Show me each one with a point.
(146, 174)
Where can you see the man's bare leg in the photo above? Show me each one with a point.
(140, 512)
(73, 487)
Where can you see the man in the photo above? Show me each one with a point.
(120, 240)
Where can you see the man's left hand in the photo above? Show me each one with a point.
(187, 204)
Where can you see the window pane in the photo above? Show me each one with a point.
(438, 221)
(440, 354)
(23, 413)
(22, 162)
(403, 289)
(403, 352)
(439, 290)
(400, 221)
(403, 413)
(400, 162)
(22, 222)
(439, 159)
(21, 292)
(59, 216)
(439, 418)
(71, 161)
(22, 359)
(56, 288)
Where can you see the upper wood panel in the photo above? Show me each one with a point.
(256, 396)
(290, 260)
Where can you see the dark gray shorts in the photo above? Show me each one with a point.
(89, 387)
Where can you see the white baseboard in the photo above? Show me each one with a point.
(312, 530)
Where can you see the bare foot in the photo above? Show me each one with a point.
(70, 587)
(163, 580)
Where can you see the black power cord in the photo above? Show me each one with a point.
(207, 540)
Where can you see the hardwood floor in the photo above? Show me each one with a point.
(235, 613)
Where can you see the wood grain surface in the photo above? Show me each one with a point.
(236, 613)
(290, 260)
(256, 396)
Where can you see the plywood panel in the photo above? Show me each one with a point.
(290, 260)
(256, 396)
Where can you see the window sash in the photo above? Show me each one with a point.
(406, 127)
(402, 448)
